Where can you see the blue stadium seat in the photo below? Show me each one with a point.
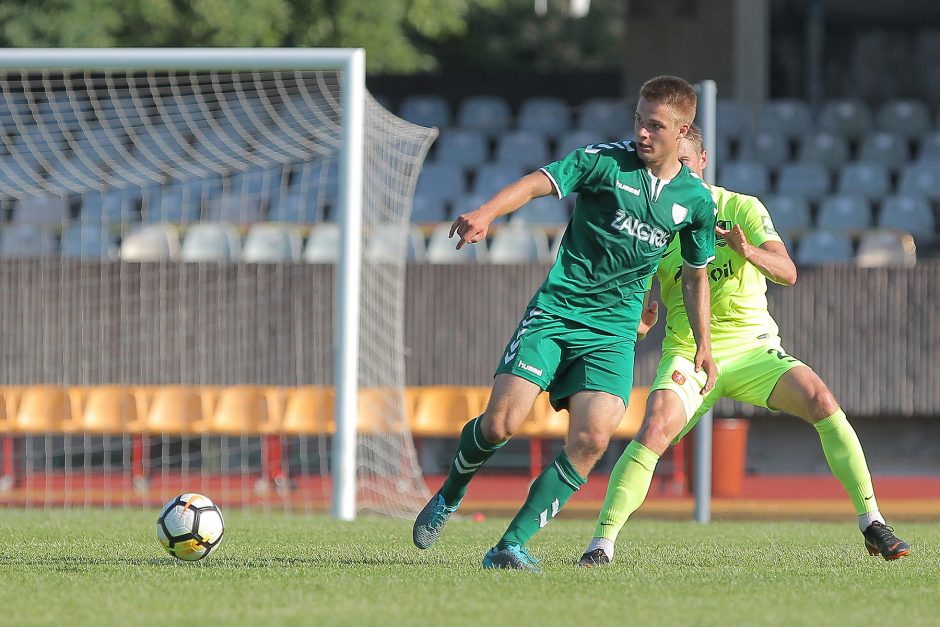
(745, 177)
(921, 178)
(111, 205)
(572, 140)
(441, 182)
(323, 243)
(734, 119)
(788, 117)
(387, 242)
(490, 114)
(492, 177)
(766, 146)
(544, 115)
(270, 242)
(824, 148)
(318, 180)
(428, 209)
(465, 147)
(469, 202)
(844, 213)
(151, 242)
(211, 241)
(46, 210)
(908, 118)
(810, 180)
(909, 213)
(26, 240)
(871, 180)
(300, 205)
(789, 213)
(175, 203)
(524, 148)
(889, 149)
(849, 118)
(518, 243)
(545, 210)
(610, 119)
(821, 247)
(929, 149)
(89, 241)
(426, 110)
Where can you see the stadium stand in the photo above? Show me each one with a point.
(518, 244)
(426, 110)
(844, 213)
(26, 240)
(818, 247)
(211, 241)
(847, 118)
(490, 114)
(789, 213)
(798, 178)
(323, 243)
(442, 249)
(545, 115)
(880, 248)
(270, 242)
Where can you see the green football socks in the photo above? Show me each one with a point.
(547, 495)
(472, 452)
(847, 461)
(627, 488)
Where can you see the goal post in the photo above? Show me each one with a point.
(99, 121)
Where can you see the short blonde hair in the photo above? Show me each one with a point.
(674, 92)
(694, 137)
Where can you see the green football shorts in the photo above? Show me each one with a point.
(747, 374)
(564, 357)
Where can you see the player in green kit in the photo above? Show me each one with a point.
(577, 336)
(752, 368)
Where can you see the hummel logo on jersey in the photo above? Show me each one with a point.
(627, 188)
(678, 212)
(640, 230)
(532, 369)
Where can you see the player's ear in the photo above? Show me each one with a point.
(704, 159)
(684, 130)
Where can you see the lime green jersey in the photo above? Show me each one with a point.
(738, 288)
(623, 220)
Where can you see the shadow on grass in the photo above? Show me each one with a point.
(78, 563)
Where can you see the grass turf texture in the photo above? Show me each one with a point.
(105, 567)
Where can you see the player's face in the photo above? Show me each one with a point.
(657, 131)
(689, 156)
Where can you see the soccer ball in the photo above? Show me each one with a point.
(190, 527)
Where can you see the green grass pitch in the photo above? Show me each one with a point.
(103, 567)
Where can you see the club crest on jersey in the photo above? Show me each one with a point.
(678, 377)
(678, 212)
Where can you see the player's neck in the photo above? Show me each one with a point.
(665, 169)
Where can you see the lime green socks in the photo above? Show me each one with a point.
(472, 453)
(627, 489)
(847, 461)
(547, 495)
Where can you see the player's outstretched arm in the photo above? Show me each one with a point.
(771, 257)
(472, 226)
(696, 296)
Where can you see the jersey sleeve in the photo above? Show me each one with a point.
(579, 168)
(697, 240)
(755, 221)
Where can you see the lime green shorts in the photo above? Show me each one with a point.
(748, 375)
(564, 356)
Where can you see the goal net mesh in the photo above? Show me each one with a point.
(168, 252)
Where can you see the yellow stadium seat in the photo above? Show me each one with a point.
(544, 422)
(379, 412)
(442, 410)
(105, 409)
(42, 409)
(308, 410)
(238, 410)
(174, 409)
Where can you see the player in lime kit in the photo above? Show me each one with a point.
(752, 368)
(577, 336)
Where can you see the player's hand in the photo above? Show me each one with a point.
(648, 319)
(704, 361)
(735, 238)
(471, 227)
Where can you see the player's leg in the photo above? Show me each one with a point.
(672, 409)
(801, 392)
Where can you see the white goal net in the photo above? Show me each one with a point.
(169, 247)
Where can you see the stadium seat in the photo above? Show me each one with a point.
(45, 210)
(440, 182)
(788, 117)
(211, 241)
(381, 411)
(545, 115)
(469, 202)
(42, 409)
(734, 119)
(492, 177)
(442, 248)
(323, 243)
(825, 148)
(907, 118)
(545, 210)
(844, 213)
(426, 210)
(572, 140)
(89, 241)
(26, 240)
(270, 242)
(308, 411)
(426, 110)
(745, 177)
(172, 203)
(238, 410)
(871, 180)
(768, 147)
(889, 149)
(789, 213)
(105, 409)
(112, 205)
(810, 180)
(174, 410)
(849, 118)
(880, 248)
(909, 213)
(929, 149)
(441, 411)
(609, 119)
(387, 242)
(526, 149)
(490, 114)
(317, 182)
(468, 148)
(921, 178)
(153, 242)
(821, 247)
(543, 422)
(298, 205)
(518, 243)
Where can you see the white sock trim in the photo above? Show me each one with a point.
(868, 518)
(602, 543)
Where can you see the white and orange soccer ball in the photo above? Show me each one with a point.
(190, 527)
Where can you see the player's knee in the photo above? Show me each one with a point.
(495, 427)
(823, 402)
(590, 444)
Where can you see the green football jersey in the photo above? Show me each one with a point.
(623, 220)
(738, 288)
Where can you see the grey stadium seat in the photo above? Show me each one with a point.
(545, 210)
(323, 243)
(88, 241)
(789, 213)
(789, 117)
(825, 148)
(26, 240)
(428, 209)
(844, 213)
(386, 241)
(879, 248)
(810, 180)
(871, 180)
(490, 114)
(211, 241)
(545, 115)
(848, 118)
(492, 177)
(269, 242)
(441, 181)
(909, 118)
(426, 110)
(573, 140)
(766, 146)
(151, 242)
(469, 202)
(734, 119)
(525, 148)
(518, 243)
(921, 178)
(608, 118)
(442, 248)
(890, 149)
(465, 147)
(745, 177)
(910, 213)
(822, 247)
(929, 149)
